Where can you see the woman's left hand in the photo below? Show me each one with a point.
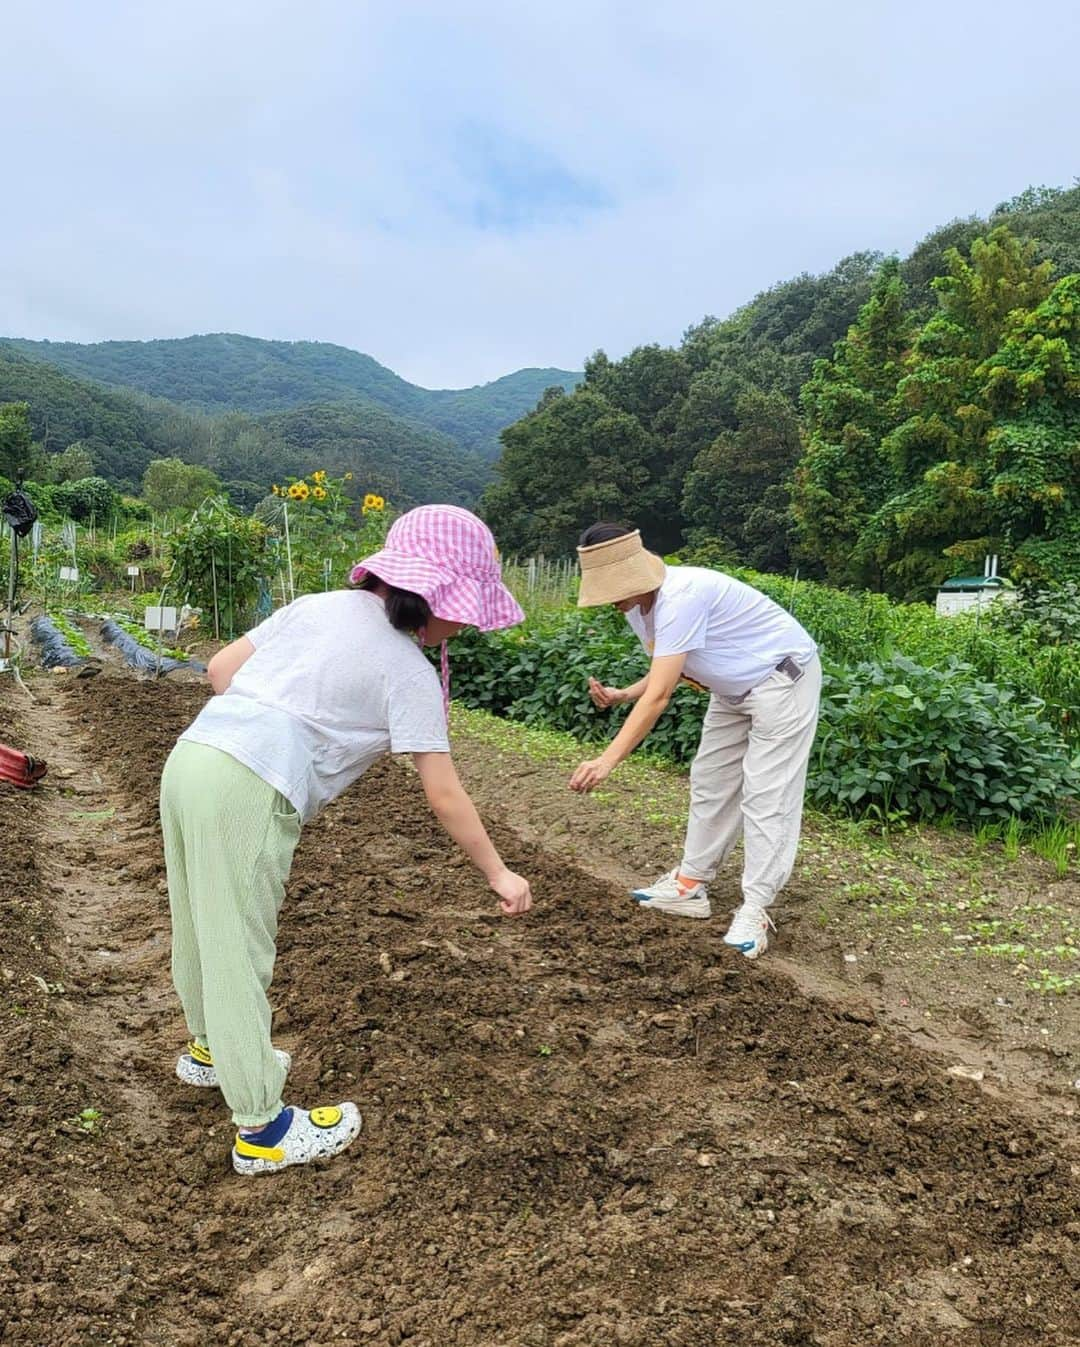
(589, 775)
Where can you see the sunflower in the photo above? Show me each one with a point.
(276, 489)
(370, 502)
(299, 491)
(380, 504)
(319, 493)
(318, 477)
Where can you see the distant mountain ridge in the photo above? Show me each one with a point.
(222, 372)
(124, 429)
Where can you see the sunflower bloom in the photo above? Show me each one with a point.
(276, 489)
(369, 501)
(318, 477)
(380, 504)
(319, 493)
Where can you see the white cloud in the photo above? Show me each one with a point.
(361, 173)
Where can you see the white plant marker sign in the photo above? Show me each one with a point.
(70, 573)
(161, 619)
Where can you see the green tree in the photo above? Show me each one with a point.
(649, 383)
(90, 498)
(73, 464)
(736, 487)
(218, 558)
(245, 495)
(15, 439)
(578, 460)
(941, 507)
(850, 406)
(170, 484)
(1032, 386)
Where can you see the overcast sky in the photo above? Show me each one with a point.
(463, 188)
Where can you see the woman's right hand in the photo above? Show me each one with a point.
(604, 697)
(515, 896)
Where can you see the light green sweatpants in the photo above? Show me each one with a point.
(229, 842)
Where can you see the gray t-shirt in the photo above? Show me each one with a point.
(331, 687)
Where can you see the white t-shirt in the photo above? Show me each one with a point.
(331, 687)
(733, 636)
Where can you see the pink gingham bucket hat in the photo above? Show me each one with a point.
(447, 556)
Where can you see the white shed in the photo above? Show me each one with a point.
(973, 591)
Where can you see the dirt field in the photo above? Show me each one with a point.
(586, 1127)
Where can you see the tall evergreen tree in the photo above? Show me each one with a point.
(850, 406)
(941, 508)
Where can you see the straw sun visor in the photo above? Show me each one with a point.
(618, 569)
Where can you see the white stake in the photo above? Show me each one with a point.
(288, 552)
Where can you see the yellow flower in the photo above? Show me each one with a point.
(348, 476)
(299, 491)
(370, 502)
(319, 493)
(276, 489)
(318, 477)
(380, 504)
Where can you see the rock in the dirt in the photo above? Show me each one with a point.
(966, 1072)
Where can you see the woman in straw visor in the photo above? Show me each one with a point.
(749, 774)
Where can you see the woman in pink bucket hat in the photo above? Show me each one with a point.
(305, 703)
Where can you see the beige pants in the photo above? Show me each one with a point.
(748, 777)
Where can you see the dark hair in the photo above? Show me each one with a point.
(407, 611)
(602, 533)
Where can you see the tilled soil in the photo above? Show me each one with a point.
(590, 1126)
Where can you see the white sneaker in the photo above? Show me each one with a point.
(311, 1136)
(666, 896)
(749, 930)
(196, 1066)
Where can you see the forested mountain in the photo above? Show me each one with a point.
(882, 424)
(226, 372)
(122, 432)
(409, 464)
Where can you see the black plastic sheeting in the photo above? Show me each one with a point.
(18, 509)
(138, 657)
(55, 651)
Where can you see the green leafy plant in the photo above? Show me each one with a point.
(72, 635)
(218, 558)
(88, 1120)
(918, 741)
(897, 739)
